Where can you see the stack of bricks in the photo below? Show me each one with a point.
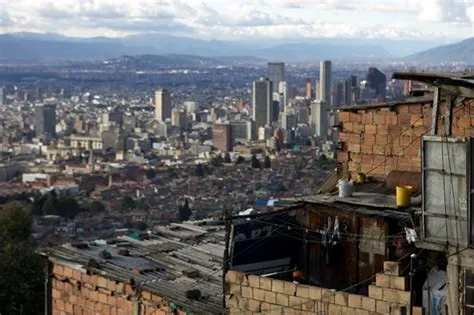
(81, 293)
(251, 294)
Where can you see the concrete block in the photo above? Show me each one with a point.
(417, 310)
(254, 281)
(235, 288)
(247, 292)
(296, 302)
(254, 305)
(335, 309)
(399, 283)
(243, 303)
(282, 299)
(383, 280)
(290, 288)
(382, 307)
(234, 276)
(390, 295)
(404, 297)
(327, 295)
(354, 301)
(391, 268)
(302, 291)
(258, 294)
(269, 296)
(315, 293)
(348, 310)
(231, 301)
(266, 306)
(340, 298)
(308, 305)
(368, 304)
(266, 283)
(375, 292)
(278, 286)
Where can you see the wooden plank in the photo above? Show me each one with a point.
(449, 114)
(434, 117)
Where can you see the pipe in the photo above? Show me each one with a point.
(412, 258)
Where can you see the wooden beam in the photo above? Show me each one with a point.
(434, 116)
(448, 117)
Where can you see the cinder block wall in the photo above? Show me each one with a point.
(251, 294)
(74, 292)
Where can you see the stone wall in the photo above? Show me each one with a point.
(251, 294)
(81, 293)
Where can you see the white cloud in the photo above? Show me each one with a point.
(224, 19)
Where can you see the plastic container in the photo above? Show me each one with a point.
(360, 178)
(404, 196)
(346, 188)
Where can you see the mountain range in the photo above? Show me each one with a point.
(462, 51)
(34, 47)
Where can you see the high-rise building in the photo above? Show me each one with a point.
(308, 89)
(347, 92)
(2, 95)
(276, 74)
(178, 118)
(283, 90)
(244, 130)
(317, 90)
(162, 105)
(377, 81)
(262, 102)
(303, 115)
(325, 77)
(319, 119)
(223, 137)
(337, 94)
(288, 121)
(45, 119)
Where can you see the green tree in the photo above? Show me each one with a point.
(217, 161)
(184, 212)
(50, 205)
(21, 269)
(227, 158)
(240, 160)
(67, 207)
(267, 163)
(127, 204)
(95, 207)
(254, 162)
(150, 173)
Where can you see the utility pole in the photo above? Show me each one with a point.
(226, 260)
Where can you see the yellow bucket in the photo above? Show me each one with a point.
(360, 178)
(404, 196)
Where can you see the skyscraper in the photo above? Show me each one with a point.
(325, 74)
(262, 102)
(347, 93)
(276, 74)
(319, 119)
(2, 95)
(378, 82)
(45, 119)
(162, 105)
(223, 137)
(283, 90)
(337, 94)
(308, 93)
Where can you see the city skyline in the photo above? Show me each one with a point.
(285, 19)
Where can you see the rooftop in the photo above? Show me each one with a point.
(169, 263)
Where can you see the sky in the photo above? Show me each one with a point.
(447, 20)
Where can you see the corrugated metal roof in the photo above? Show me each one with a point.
(162, 262)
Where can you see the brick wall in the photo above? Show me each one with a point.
(251, 294)
(379, 140)
(80, 293)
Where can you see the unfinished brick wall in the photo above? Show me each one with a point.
(251, 294)
(74, 292)
(378, 140)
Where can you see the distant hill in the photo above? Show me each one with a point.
(461, 51)
(33, 47)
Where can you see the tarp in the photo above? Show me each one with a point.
(434, 291)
